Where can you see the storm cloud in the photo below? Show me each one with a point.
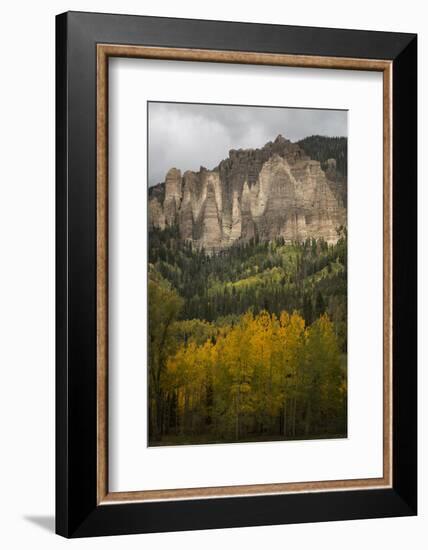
(187, 135)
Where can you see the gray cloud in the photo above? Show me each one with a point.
(187, 136)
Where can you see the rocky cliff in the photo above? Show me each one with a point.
(274, 191)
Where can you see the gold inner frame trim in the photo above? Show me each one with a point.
(104, 51)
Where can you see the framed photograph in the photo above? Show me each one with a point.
(236, 274)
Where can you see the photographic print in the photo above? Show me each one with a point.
(247, 274)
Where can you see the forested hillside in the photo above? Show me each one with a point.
(248, 343)
(322, 148)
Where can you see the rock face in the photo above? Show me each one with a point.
(275, 191)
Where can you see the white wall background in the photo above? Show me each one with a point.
(27, 89)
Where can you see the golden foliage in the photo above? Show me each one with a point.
(264, 374)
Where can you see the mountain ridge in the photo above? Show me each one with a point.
(274, 191)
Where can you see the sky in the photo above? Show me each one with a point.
(190, 135)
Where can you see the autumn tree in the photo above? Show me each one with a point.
(164, 307)
(322, 378)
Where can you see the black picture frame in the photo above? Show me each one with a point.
(77, 512)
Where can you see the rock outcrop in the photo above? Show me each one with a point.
(275, 191)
